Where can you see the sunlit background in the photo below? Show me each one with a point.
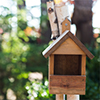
(24, 34)
(34, 8)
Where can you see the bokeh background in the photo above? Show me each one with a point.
(25, 32)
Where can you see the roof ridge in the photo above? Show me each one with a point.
(51, 48)
(53, 44)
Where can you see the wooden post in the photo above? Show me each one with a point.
(72, 97)
(61, 15)
(59, 97)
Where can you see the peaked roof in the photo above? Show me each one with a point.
(67, 19)
(50, 49)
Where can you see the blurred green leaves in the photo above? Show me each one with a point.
(38, 91)
(20, 54)
(93, 75)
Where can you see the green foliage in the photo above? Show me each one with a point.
(92, 80)
(38, 91)
(5, 19)
(17, 59)
(34, 55)
(93, 76)
(12, 62)
(20, 54)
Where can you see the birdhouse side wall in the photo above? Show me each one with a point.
(51, 67)
(83, 65)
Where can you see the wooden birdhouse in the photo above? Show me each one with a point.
(67, 61)
(66, 25)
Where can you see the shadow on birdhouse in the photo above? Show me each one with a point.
(67, 61)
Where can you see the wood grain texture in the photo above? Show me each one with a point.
(49, 50)
(65, 25)
(69, 47)
(59, 97)
(67, 65)
(51, 65)
(67, 84)
(73, 97)
(49, 69)
(55, 45)
(54, 90)
(88, 53)
(83, 65)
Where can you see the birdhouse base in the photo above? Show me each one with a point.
(63, 84)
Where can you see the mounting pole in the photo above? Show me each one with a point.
(61, 16)
(72, 97)
(59, 97)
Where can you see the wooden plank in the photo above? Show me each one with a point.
(55, 90)
(59, 97)
(67, 84)
(83, 65)
(88, 53)
(49, 69)
(73, 97)
(61, 39)
(69, 47)
(51, 66)
(55, 45)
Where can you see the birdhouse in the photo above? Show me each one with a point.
(66, 25)
(67, 61)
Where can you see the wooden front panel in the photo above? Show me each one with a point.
(67, 84)
(67, 65)
(69, 47)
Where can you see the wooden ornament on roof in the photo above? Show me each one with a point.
(66, 23)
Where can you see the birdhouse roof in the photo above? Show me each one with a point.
(67, 34)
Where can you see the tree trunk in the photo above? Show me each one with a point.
(82, 17)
